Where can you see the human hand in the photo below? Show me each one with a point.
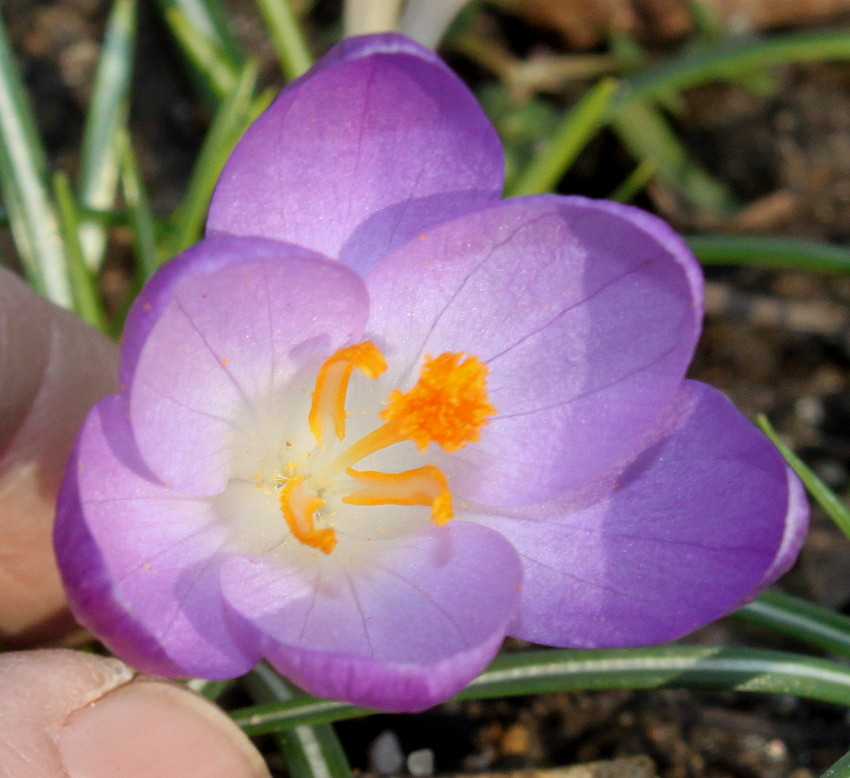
(65, 713)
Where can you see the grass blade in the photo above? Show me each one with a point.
(634, 182)
(100, 155)
(841, 769)
(87, 301)
(212, 690)
(208, 59)
(580, 124)
(646, 134)
(209, 18)
(310, 751)
(761, 251)
(826, 498)
(139, 211)
(808, 623)
(729, 60)
(288, 40)
(556, 670)
(23, 175)
(231, 119)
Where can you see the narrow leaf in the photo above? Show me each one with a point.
(231, 120)
(139, 210)
(286, 34)
(212, 690)
(209, 18)
(580, 124)
(87, 300)
(100, 155)
(24, 179)
(808, 623)
(760, 251)
(310, 751)
(825, 497)
(557, 670)
(645, 132)
(216, 71)
(841, 769)
(634, 182)
(729, 60)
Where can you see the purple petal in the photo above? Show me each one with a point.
(225, 344)
(402, 628)
(698, 525)
(378, 123)
(586, 314)
(139, 562)
(202, 259)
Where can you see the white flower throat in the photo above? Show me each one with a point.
(447, 405)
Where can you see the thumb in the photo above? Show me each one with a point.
(72, 715)
(53, 367)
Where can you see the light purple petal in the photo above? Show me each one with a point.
(225, 343)
(402, 629)
(204, 258)
(393, 227)
(139, 561)
(698, 525)
(586, 314)
(381, 121)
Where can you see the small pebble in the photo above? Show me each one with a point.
(810, 410)
(385, 754)
(420, 763)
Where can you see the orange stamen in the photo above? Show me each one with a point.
(422, 486)
(447, 405)
(298, 508)
(332, 385)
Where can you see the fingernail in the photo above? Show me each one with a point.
(158, 729)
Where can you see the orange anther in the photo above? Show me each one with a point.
(447, 405)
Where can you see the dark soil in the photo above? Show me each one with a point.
(787, 154)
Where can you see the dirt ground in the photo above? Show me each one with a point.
(776, 342)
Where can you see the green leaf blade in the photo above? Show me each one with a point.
(825, 497)
(101, 152)
(24, 179)
(231, 120)
(809, 623)
(558, 670)
(289, 42)
(310, 751)
(730, 59)
(87, 300)
(579, 125)
(768, 251)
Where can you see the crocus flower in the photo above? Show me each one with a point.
(379, 419)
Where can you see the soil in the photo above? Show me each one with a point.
(776, 342)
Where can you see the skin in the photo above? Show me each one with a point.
(66, 713)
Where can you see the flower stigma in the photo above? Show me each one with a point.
(448, 405)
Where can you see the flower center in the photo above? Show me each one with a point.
(448, 405)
